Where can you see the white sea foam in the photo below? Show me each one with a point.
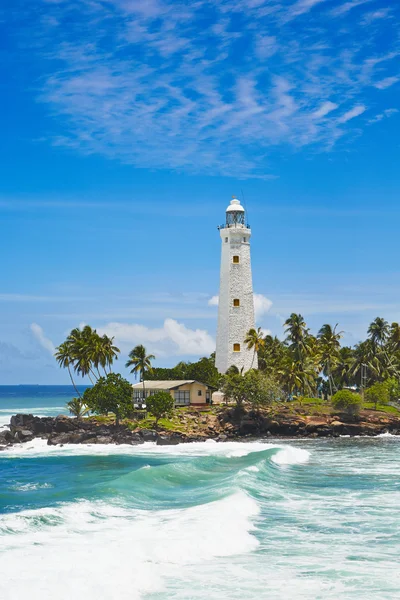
(29, 487)
(291, 456)
(127, 553)
(39, 447)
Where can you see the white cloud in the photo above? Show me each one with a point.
(173, 338)
(262, 304)
(389, 112)
(44, 341)
(325, 109)
(387, 82)
(352, 113)
(347, 6)
(304, 6)
(213, 301)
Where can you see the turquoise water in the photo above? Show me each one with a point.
(304, 519)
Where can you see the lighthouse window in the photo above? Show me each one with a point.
(236, 302)
(235, 260)
(236, 347)
(245, 239)
(226, 240)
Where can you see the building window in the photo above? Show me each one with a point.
(235, 259)
(236, 302)
(236, 347)
(226, 240)
(245, 239)
(199, 393)
(182, 397)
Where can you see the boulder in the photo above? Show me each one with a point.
(104, 439)
(23, 435)
(168, 440)
(148, 435)
(6, 437)
(65, 425)
(62, 438)
(248, 425)
(21, 420)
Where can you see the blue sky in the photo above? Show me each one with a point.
(128, 125)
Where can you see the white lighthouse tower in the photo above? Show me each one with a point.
(236, 302)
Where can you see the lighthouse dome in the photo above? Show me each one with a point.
(235, 206)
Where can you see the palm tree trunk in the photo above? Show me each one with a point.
(144, 389)
(254, 355)
(94, 375)
(73, 383)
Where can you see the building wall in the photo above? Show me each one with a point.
(194, 388)
(235, 282)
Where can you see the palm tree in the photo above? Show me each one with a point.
(140, 362)
(271, 355)
(297, 334)
(329, 346)
(297, 377)
(65, 359)
(110, 351)
(254, 339)
(341, 372)
(378, 331)
(81, 342)
(77, 408)
(394, 337)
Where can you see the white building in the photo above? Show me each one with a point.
(236, 302)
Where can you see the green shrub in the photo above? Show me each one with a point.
(347, 402)
(160, 405)
(378, 394)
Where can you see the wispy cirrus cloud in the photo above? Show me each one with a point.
(154, 85)
(43, 340)
(352, 114)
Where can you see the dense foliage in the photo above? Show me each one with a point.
(313, 365)
(347, 402)
(113, 394)
(160, 405)
(254, 389)
(203, 370)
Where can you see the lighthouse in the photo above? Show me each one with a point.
(236, 302)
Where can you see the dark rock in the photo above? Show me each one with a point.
(6, 437)
(168, 440)
(21, 420)
(23, 435)
(148, 435)
(64, 425)
(62, 438)
(104, 439)
(249, 425)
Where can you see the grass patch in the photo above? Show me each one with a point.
(386, 408)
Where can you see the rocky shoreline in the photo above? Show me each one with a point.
(226, 425)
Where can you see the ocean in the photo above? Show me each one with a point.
(297, 519)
